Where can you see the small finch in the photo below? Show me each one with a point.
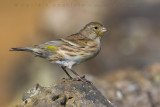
(71, 50)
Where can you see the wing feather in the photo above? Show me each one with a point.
(57, 43)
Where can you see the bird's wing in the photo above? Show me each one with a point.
(75, 40)
(78, 40)
(57, 42)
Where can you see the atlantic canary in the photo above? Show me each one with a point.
(71, 50)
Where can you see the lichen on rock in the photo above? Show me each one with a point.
(66, 93)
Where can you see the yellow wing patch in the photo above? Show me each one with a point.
(52, 48)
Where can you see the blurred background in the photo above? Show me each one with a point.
(127, 70)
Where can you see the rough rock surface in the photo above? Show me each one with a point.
(66, 93)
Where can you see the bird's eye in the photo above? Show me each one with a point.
(96, 27)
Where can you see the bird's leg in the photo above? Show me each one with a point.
(79, 78)
(64, 69)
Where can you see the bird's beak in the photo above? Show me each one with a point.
(104, 29)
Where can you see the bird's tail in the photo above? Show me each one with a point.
(29, 49)
(35, 51)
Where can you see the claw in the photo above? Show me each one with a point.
(83, 79)
(83, 76)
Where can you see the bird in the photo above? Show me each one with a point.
(71, 50)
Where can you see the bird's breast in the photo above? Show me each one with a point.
(78, 54)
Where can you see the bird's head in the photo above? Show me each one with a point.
(93, 30)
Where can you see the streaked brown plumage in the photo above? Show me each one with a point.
(73, 49)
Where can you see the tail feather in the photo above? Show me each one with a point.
(35, 51)
(29, 49)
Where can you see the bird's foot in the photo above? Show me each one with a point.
(82, 78)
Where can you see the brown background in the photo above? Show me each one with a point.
(132, 40)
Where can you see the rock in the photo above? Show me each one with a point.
(66, 93)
